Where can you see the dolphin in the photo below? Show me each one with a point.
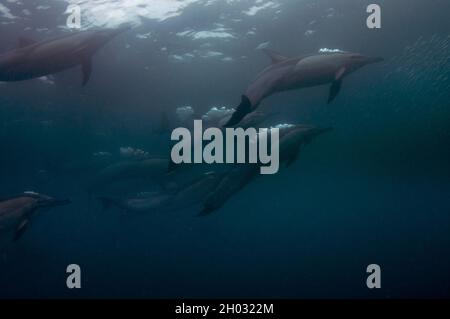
(37, 59)
(196, 191)
(230, 184)
(16, 211)
(181, 198)
(292, 138)
(251, 120)
(151, 168)
(300, 72)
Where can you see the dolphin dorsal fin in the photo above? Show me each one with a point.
(275, 57)
(24, 42)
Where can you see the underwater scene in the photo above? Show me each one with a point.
(119, 177)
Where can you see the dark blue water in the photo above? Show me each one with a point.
(375, 190)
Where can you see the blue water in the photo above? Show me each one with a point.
(375, 190)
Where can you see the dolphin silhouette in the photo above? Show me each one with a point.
(16, 211)
(181, 198)
(301, 72)
(230, 184)
(37, 59)
(151, 168)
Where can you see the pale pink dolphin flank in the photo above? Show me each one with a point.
(301, 72)
(37, 59)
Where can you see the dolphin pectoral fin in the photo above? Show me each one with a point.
(242, 110)
(86, 68)
(24, 42)
(334, 90)
(274, 56)
(21, 229)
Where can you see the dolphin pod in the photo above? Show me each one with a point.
(286, 74)
(16, 211)
(37, 59)
(211, 191)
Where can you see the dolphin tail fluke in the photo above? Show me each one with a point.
(241, 111)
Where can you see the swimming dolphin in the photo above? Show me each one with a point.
(37, 59)
(292, 138)
(234, 181)
(151, 168)
(251, 120)
(301, 72)
(196, 191)
(16, 211)
(181, 198)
